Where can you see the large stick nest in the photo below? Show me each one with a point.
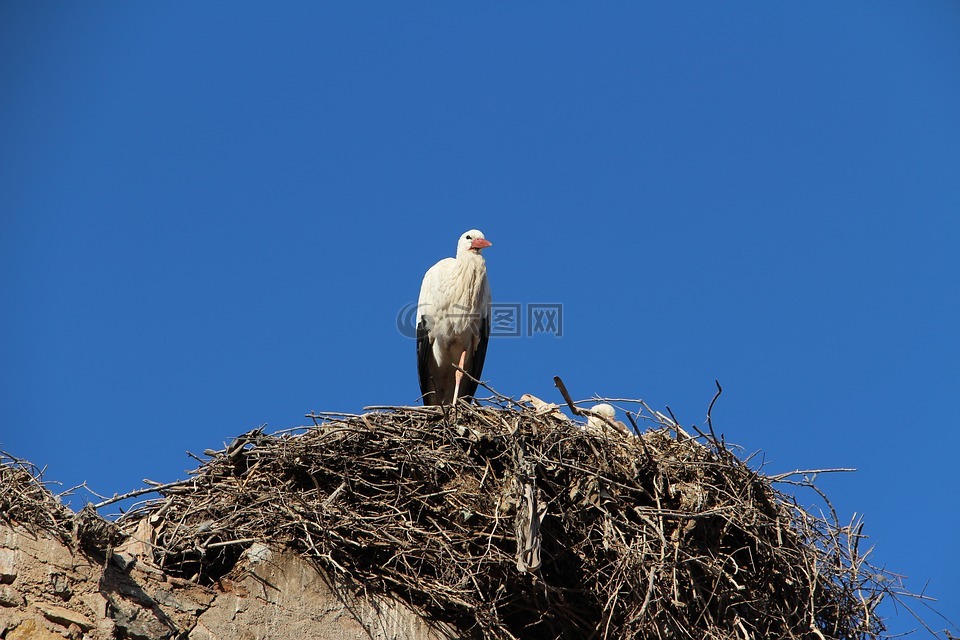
(653, 536)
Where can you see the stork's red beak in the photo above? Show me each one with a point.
(479, 243)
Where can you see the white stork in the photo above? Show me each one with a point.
(605, 415)
(453, 322)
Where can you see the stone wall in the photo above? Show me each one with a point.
(50, 591)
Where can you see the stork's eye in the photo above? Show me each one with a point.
(469, 238)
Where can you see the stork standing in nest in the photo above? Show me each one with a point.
(453, 323)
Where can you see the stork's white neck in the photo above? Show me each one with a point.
(469, 254)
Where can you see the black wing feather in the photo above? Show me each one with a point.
(424, 349)
(476, 364)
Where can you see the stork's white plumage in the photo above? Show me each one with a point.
(603, 410)
(603, 416)
(453, 322)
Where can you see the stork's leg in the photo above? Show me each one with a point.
(458, 377)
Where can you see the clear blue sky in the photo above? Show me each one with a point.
(211, 214)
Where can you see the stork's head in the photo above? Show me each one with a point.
(604, 409)
(472, 240)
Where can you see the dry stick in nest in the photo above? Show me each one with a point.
(497, 397)
(154, 488)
